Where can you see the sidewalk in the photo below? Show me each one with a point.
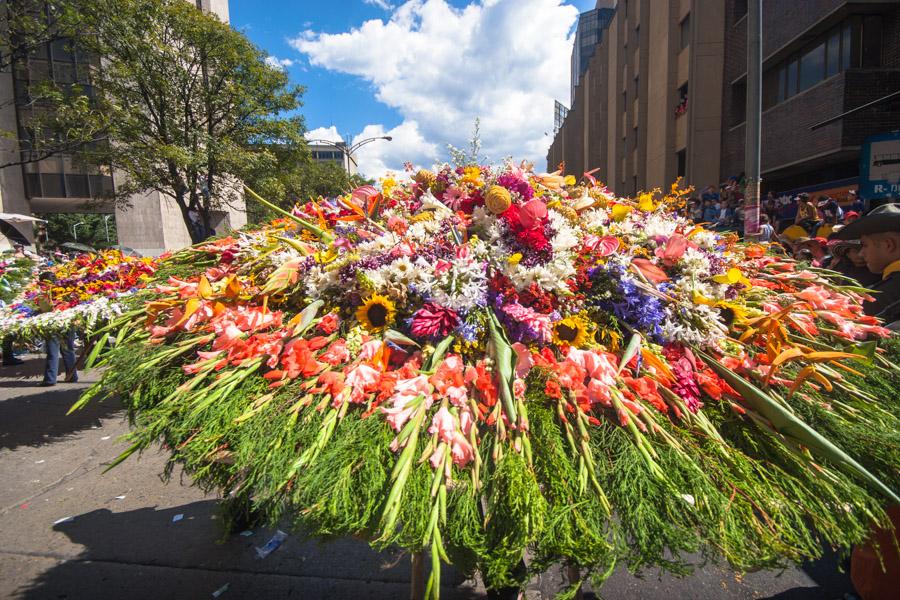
(122, 542)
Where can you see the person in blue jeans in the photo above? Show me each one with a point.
(55, 345)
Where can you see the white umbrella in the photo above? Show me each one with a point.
(17, 218)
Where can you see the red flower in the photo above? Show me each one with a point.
(433, 321)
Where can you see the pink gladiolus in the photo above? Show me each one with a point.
(673, 250)
(443, 424)
(405, 392)
(524, 360)
(363, 379)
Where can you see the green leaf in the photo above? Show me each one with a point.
(788, 425)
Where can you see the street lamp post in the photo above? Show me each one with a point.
(349, 150)
(754, 116)
(75, 229)
(106, 226)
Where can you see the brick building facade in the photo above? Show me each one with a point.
(665, 93)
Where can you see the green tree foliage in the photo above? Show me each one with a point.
(92, 229)
(298, 178)
(191, 105)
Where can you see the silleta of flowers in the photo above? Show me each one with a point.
(82, 293)
(483, 360)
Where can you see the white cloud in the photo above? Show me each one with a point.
(382, 4)
(503, 61)
(324, 133)
(279, 63)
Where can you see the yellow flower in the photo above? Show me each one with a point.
(388, 184)
(620, 211)
(571, 331)
(497, 199)
(376, 313)
(609, 338)
(472, 175)
(569, 180)
(645, 202)
(733, 276)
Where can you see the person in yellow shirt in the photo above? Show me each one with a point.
(879, 235)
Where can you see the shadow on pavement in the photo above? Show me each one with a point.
(145, 554)
(39, 417)
(831, 573)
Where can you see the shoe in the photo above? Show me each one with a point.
(46, 384)
(72, 377)
(13, 361)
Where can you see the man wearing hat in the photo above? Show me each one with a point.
(879, 235)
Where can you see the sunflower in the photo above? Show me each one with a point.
(376, 313)
(571, 331)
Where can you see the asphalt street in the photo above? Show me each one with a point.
(70, 531)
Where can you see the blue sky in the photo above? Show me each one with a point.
(326, 47)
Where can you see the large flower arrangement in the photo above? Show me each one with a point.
(82, 293)
(483, 360)
(15, 274)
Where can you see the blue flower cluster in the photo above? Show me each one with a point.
(641, 311)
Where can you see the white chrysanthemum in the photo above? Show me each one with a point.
(693, 324)
(695, 264)
(594, 218)
(660, 224)
(705, 239)
(566, 236)
(318, 280)
(551, 276)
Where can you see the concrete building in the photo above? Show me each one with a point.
(336, 152)
(151, 224)
(588, 33)
(664, 94)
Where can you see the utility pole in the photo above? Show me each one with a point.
(754, 116)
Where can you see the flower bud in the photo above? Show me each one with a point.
(497, 199)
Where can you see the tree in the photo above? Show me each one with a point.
(92, 229)
(191, 105)
(297, 179)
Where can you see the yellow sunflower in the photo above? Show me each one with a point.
(571, 331)
(609, 338)
(376, 313)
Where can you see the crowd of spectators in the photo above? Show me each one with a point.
(816, 229)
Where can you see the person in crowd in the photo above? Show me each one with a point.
(770, 207)
(807, 213)
(766, 231)
(710, 193)
(54, 345)
(10, 359)
(856, 203)
(879, 235)
(726, 216)
(739, 214)
(817, 248)
(848, 262)
(830, 209)
(695, 210)
(710, 212)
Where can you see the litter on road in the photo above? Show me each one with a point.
(272, 545)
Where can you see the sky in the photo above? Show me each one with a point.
(421, 72)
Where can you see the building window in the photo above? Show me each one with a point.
(855, 43)
(681, 161)
(812, 66)
(682, 105)
(738, 103)
(686, 32)
(740, 9)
